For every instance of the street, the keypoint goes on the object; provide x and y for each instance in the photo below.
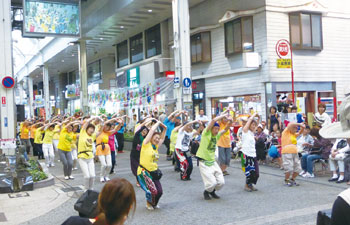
(183, 203)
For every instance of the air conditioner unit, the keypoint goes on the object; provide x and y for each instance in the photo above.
(251, 60)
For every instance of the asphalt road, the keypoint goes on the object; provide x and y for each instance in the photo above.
(183, 203)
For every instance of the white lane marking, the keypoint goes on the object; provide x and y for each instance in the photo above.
(282, 215)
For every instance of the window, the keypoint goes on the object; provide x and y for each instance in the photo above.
(94, 71)
(136, 48)
(306, 31)
(153, 41)
(200, 47)
(239, 36)
(122, 53)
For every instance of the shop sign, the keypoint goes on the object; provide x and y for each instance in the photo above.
(170, 75)
(39, 102)
(72, 91)
(133, 77)
(284, 63)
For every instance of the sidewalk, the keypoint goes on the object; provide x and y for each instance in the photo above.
(20, 207)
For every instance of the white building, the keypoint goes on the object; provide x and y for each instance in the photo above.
(234, 60)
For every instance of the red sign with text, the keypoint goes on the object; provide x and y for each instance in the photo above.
(3, 100)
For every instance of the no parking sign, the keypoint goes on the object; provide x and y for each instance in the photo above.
(8, 82)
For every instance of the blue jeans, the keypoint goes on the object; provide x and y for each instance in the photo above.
(306, 162)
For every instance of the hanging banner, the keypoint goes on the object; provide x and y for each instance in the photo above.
(150, 94)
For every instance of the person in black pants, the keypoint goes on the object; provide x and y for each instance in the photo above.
(341, 209)
(120, 137)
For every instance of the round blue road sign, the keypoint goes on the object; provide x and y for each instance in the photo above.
(8, 82)
(187, 82)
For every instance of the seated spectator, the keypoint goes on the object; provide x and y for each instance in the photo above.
(305, 141)
(320, 150)
(338, 154)
(275, 149)
(260, 146)
(115, 202)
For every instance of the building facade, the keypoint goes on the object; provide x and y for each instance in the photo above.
(233, 53)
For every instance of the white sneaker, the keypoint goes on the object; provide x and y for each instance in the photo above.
(53, 165)
(107, 179)
(66, 178)
(157, 206)
(75, 168)
(102, 180)
(71, 177)
(302, 173)
(308, 175)
(47, 165)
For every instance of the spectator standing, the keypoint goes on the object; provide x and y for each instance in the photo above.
(201, 117)
(274, 118)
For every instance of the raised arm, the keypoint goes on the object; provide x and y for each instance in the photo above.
(216, 119)
(85, 125)
(151, 132)
(189, 124)
(162, 135)
(120, 124)
(172, 115)
(250, 120)
(228, 125)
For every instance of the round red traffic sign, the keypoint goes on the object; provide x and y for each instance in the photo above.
(282, 48)
(8, 82)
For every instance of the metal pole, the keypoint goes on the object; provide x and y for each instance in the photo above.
(292, 71)
(30, 102)
(184, 28)
(46, 91)
(177, 56)
(182, 55)
(7, 111)
(84, 105)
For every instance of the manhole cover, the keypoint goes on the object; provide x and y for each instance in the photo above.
(70, 189)
(19, 195)
(2, 217)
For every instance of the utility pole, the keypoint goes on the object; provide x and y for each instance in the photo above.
(182, 54)
(84, 104)
(7, 110)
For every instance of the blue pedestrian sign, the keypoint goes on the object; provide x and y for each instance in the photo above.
(8, 82)
(187, 82)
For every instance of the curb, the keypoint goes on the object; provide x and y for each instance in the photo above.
(49, 181)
